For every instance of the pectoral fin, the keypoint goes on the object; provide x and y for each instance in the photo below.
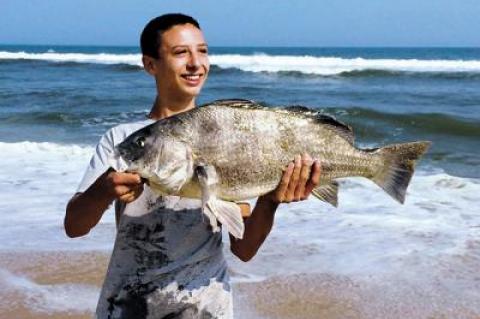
(157, 189)
(327, 193)
(227, 213)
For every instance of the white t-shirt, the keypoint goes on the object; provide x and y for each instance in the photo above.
(166, 261)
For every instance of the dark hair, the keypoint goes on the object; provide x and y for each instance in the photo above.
(151, 34)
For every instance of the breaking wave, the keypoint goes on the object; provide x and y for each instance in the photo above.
(360, 118)
(69, 118)
(27, 148)
(365, 121)
(97, 58)
(426, 123)
(336, 65)
(260, 62)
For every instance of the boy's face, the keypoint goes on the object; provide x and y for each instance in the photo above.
(182, 66)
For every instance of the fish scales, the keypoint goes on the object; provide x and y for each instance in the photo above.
(249, 145)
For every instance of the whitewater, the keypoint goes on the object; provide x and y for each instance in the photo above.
(261, 62)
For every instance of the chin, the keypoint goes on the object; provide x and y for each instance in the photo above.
(193, 92)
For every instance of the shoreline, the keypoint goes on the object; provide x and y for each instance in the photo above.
(36, 284)
(39, 284)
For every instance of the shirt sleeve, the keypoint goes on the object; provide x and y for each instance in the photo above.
(100, 162)
(104, 156)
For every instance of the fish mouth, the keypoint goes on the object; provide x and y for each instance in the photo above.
(128, 151)
(118, 161)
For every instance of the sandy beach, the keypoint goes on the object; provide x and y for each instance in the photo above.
(66, 284)
(42, 285)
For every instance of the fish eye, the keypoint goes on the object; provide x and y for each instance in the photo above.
(140, 141)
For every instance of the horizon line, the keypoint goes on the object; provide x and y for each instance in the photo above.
(259, 46)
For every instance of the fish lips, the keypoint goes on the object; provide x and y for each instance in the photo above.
(118, 160)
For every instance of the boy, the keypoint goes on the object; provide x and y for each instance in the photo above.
(166, 262)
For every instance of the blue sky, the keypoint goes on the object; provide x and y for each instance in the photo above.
(248, 22)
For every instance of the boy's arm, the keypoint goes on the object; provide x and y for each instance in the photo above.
(84, 210)
(297, 183)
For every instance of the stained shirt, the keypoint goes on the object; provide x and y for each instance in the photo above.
(166, 261)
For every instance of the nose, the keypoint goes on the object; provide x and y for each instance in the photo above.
(193, 61)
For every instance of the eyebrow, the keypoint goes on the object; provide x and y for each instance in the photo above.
(186, 46)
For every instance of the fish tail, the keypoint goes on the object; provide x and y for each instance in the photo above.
(398, 167)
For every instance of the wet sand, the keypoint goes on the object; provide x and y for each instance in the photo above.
(66, 285)
(21, 295)
(336, 297)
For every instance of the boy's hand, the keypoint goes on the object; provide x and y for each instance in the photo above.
(299, 179)
(126, 187)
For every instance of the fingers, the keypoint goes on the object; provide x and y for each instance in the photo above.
(125, 178)
(131, 194)
(314, 179)
(127, 198)
(121, 190)
(303, 179)
(293, 183)
(299, 179)
(125, 187)
(283, 186)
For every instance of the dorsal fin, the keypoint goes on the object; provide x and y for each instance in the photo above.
(300, 109)
(240, 103)
(341, 128)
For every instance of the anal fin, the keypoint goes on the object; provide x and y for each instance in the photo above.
(327, 193)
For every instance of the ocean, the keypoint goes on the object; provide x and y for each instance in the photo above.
(369, 258)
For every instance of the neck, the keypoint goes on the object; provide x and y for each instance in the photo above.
(163, 108)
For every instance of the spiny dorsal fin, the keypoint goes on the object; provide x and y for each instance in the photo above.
(327, 193)
(239, 103)
(341, 128)
(300, 109)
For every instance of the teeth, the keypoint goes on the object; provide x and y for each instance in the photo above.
(192, 77)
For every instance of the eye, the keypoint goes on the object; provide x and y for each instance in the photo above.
(140, 141)
(180, 52)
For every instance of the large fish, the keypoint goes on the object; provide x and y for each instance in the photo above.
(232, 150)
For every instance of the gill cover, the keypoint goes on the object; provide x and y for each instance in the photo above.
(173, 167)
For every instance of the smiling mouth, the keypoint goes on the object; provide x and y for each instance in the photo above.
(192, 77)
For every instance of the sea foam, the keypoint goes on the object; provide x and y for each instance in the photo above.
(100, 58)
(438, 206)
(48, 298)
(260, 62)
(336, 65)
(371, 234)
(37, 180)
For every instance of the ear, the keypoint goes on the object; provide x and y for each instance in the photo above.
(149, 65)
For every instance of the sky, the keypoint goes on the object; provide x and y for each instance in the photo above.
(317, 23)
